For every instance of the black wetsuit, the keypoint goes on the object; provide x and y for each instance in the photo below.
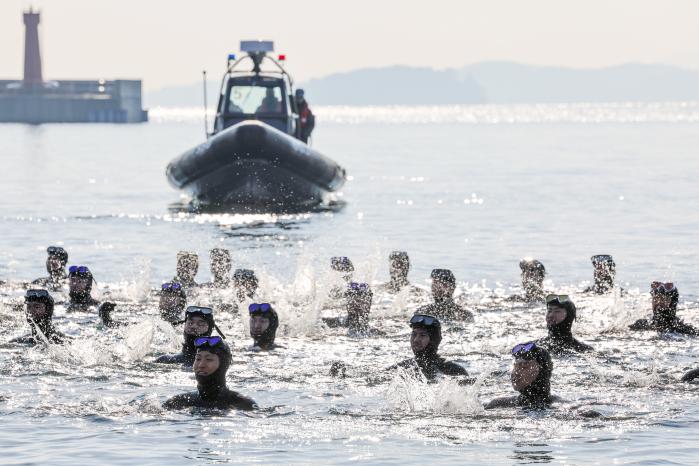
(600, 287)
(80, 301)
(394, 285)
(219, 284)
(560, 338)
(535, 396)
(46, 328)
(431, 364)
(665, 320)
(172, 316)
(52, 282)
(211, 398)
(212, 392)
(446, 308)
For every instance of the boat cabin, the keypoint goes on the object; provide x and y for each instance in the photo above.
(265, 95)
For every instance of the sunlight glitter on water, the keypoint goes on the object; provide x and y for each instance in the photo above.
(625, 112)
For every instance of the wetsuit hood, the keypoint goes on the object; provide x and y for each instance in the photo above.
(358, 297)
(430, 353)
(266, 339)
(62, 255)
(604, 273)
(399, 268)
(563, 330)
(45, 324)
(538, 393)
(666, 316)
(209, 386)
(188, 348)
(81, 297)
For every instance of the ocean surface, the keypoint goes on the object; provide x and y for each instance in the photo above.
(470, 188)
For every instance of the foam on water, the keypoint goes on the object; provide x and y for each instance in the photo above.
(471, 188)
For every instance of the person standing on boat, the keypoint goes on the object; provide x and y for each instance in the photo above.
(307, 120)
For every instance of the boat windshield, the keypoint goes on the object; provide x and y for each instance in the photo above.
(249, 99)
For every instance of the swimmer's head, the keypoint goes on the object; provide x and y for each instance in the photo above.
(187, 265)
(560, 314)
(56, 260)
(211, 363)
(220, 263)
(426, 335)
(533, 274)
(399, 265)
(343, 265)
(359, 297)
(443, 284)
(79, 282)
(245, 282)
(264, 322)
(604, 272)
(665, 299)
(39, 305)
(172, 299)
(531, 373)
(198, 321)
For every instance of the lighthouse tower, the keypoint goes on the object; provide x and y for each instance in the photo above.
(32, 56)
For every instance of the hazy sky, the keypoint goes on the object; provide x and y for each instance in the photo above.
(166, 42)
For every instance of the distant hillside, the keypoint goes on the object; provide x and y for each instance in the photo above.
(488, 82)
(395, 85)
(514, 83)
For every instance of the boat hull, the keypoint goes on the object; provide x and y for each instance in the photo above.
(254, 167)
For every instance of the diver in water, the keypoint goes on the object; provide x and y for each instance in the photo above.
(264, 322)
(211, 363)
(665, 298)
(424, 341)
(604, 273)
(560, 315)
(245, 283)
(531, 377)
(358, 299)
(198, 322)
(56, 267)
(172, 302)
(533, 274)
(39, 309)
(398, 268)
(220, 268)
(80, 281)
(343, 265)
(444, 307)
(187, 268)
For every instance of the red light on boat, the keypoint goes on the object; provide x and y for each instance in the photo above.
(282, 57)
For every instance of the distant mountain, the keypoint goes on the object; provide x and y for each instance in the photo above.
(506, 82)
(395, 85)
(488, 82)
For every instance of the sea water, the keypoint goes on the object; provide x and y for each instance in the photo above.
(469, 188)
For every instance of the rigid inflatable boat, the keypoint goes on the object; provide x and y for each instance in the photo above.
(253, 160)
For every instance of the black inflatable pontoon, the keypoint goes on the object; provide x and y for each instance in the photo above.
(253, 160)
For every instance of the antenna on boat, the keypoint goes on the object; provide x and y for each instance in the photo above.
(206, 122)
